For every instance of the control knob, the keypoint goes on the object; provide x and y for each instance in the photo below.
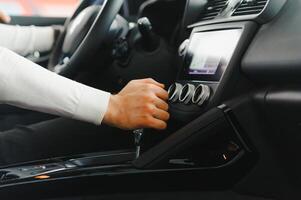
(201, 94)
(187, 93)
(174, 92)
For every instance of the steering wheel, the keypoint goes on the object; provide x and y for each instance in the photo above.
(83, 35)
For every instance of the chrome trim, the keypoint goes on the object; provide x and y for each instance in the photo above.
(203, 96)
(187, 95)
(174, 96)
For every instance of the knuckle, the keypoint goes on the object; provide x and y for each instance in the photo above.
(132, 82)
(149, 109)
(150, 79)
(147, 97)
(149, 87)
(145, 108)
(153, 99)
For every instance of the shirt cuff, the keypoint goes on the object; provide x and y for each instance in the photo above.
(43, 38)
(92, 105)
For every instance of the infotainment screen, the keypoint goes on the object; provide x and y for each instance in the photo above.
(209, 53)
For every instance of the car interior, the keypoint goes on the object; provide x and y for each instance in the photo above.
(231, 68)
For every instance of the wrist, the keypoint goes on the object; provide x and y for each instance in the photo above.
(111, 115)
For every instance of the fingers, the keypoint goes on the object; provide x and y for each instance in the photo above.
(159, 92)
(161, 115)
(157, 124)
(152, 81)
(146, 105)
(159, 103)
(155, 86)
(158, 119)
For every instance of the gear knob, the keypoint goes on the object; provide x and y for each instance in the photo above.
(145, 26)
(138, 136)
(150, 41)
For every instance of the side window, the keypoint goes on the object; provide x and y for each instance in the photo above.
(45, 8)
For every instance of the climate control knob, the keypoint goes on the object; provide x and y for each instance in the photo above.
(201, 94)
(174, 92)
(187, 93)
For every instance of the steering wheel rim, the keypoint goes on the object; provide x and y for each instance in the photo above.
(92, 41)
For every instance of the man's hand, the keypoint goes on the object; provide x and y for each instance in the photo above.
(4, 18)
(141, 104)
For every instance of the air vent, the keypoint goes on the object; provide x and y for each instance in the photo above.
(213, 8)
(250, 7)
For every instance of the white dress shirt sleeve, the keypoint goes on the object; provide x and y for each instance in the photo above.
(26, 39)
(27, 85)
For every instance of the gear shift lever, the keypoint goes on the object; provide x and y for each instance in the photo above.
(138, 136)
(150, 41)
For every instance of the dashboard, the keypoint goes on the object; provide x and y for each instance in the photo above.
(212, 55)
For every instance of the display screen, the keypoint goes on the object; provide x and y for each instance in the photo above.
(209, 53)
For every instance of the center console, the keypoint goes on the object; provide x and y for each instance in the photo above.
(209, 68)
